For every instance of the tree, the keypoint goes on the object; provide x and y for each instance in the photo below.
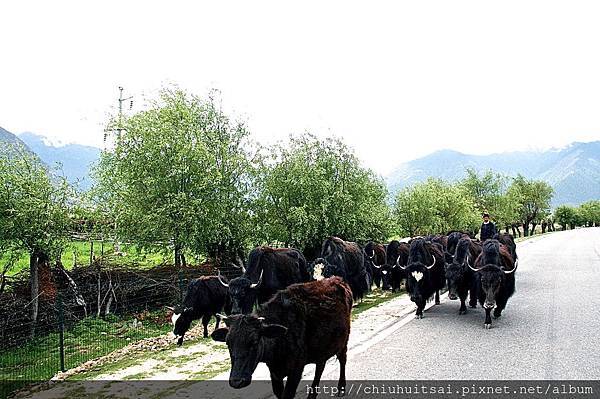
(532, 198)
(485, 190)
(590, 213)
(34, 213)
(489, 193)
(180, 173)
(414, 210)
(564, 215)
(434, 206)
(314, 188)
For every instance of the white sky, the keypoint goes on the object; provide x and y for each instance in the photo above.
(396, 79)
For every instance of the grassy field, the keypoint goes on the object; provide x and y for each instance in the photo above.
(39, 359)
(78, 253)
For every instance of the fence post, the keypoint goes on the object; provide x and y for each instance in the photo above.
(91, 251)
(61, 329)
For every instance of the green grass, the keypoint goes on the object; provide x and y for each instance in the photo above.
(91, 338)
(39, 360)
(78, 253)
(372, 299)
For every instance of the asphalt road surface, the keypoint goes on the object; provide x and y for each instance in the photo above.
(550, 328)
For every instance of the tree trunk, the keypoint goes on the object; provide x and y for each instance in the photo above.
(544, 227)
(533, 225)
(514, 231)
(35, 289)
(177, 255)
(3, 283)
(526, 229)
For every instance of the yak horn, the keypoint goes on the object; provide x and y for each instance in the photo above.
(259, 280)
(471, 267)
(221, 280)
(172, 309)
(514, 268)
(433, 264)
(222, 316)
(398, 263)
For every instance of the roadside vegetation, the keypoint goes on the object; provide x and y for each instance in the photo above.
(183, 182)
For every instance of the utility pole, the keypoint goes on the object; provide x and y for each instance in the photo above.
(119, 128)
(121, 99)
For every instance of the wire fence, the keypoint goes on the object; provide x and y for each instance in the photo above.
(85, 313)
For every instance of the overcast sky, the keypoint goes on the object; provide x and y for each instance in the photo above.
(396, 80)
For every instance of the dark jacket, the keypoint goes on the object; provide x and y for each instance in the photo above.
(487, 231)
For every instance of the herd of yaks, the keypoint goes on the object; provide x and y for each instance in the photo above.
(303, 312)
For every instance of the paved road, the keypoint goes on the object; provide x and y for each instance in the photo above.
(549, 330)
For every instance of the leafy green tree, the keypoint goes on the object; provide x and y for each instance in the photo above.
(312, 188)
(489, 193)
(564, 215)
(34, 212)
(590, 213)
(414, 210)
(434, 206)
(532, 198)
(180, 173)
(486, 190)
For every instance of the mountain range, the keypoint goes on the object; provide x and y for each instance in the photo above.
(7, 137)
(573, 171)
(74, 160)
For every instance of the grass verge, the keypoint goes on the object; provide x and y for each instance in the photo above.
(39, 359)
(374, 298)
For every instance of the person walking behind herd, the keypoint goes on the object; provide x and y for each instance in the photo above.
(488, 229)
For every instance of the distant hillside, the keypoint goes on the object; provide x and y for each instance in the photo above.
(76, 159)
(12, 139)
(573, 171)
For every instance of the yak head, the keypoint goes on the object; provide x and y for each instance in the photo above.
(181, 319)
(242, 292)
(331, 270)
(455, 274)
(417, 280)
(457, 270)
(246, 337)
(386, 277)
(316, 268)
(491, 278)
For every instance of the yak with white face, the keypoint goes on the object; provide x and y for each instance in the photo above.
(347, 260)
(316, 269)
(424, 273)
(205, 297)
